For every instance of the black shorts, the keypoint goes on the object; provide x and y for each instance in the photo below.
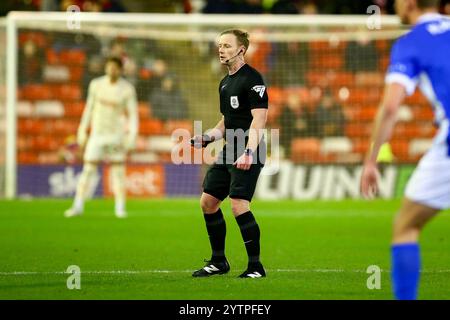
(222, 180)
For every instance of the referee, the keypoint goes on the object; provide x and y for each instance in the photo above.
(243, 104)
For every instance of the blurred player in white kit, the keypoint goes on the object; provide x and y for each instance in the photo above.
(110, 98)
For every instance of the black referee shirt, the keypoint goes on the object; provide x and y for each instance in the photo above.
(239, 94)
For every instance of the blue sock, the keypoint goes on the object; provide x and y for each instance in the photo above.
(405, 270)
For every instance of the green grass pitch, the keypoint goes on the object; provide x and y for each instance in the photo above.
(311, 250)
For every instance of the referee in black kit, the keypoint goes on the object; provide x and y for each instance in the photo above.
(243, 104)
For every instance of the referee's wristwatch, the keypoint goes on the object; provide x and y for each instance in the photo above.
(248, 152)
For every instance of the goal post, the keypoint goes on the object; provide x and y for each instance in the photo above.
(308, 62)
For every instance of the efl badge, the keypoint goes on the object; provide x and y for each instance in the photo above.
(234, 102)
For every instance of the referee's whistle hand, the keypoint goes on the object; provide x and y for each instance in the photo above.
(244, 162)
(197, 142)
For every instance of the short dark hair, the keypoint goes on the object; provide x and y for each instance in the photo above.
(422, 4)
(115, 60)
(241, 36)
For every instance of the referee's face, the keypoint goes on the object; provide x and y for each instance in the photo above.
(228, 48)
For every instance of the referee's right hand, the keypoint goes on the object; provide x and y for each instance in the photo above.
(201, 141)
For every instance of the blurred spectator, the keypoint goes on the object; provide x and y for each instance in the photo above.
(446, 7)
(343, 6)
(167, 102)
(31, 60)
(295, 121)
(290, 64)
(218, 6)
(361, 55)
(112, 6)
(159, 72)
(49, 5)
(329, 117)
(92, 5)
(249, 7)
(285, 7)
(310, 8)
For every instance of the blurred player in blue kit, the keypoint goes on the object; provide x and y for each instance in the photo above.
(418, 58)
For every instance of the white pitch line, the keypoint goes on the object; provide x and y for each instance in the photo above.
(131, 272)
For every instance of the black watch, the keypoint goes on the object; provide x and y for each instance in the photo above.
(248, 152)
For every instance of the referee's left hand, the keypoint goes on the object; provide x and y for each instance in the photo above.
(244, 162)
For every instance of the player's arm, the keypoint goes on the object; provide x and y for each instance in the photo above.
(214, 134)
(133, 120)
(401, 80)
(384, 125)
(86, 117)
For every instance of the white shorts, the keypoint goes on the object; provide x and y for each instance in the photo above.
(105, 148)
(430, 181)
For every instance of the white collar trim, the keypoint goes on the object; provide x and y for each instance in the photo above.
(426, 17)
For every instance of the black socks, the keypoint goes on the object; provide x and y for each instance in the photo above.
(251, 234)
(215, 225)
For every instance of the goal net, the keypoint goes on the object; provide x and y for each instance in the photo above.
(324, 76)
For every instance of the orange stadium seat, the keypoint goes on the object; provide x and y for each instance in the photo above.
(400, 149)
(76, 73)
(357, 130)
(327, 61)
(24, 143)
(47, 143)
(37, 37)
(172, 125)
(72, 57)
(305, 149)
(423, 113)
(36, 92)
(382, 45)
(27, 158)
(151, 126)
(384, 63)
(74, 109)
(363, 113)
(144, 110)
(64, 126)
(417, 98)
(30, 126)
(51, 56)
(67, 92)
(276, 95)
(360, 146)
(366, 96)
